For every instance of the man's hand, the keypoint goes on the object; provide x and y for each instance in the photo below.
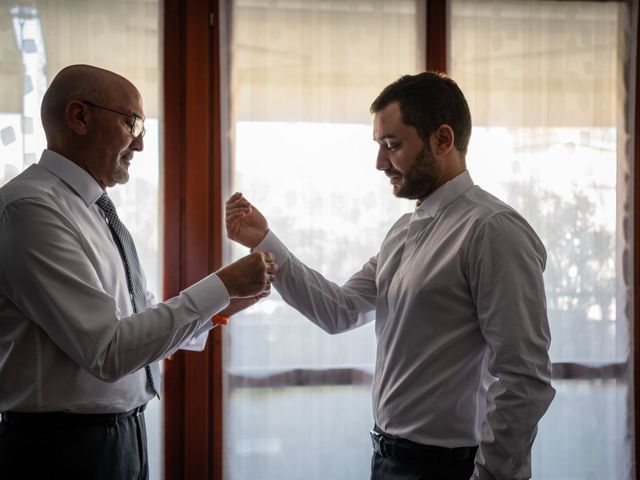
(245, 224)
(240, 303)
(249, 276)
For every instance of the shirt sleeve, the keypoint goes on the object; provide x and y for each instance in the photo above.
(506, 264)
(198, 340)
(332, 307)
(47, 274)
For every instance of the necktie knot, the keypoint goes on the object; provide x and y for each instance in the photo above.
(107, 206)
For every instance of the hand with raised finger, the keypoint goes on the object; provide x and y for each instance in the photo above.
(245, 224)
(250, 276)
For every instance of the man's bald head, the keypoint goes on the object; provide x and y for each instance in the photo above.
(88, 115)
(79, 82)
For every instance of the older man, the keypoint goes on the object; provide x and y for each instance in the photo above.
(80, 336)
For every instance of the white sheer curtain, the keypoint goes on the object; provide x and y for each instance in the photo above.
(37, 39)
(303, 75)
(546, 85)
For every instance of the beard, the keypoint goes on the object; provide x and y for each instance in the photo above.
(120, 172)
(120, 175)
(420, 180)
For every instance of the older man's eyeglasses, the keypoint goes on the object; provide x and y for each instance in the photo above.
(137, 127)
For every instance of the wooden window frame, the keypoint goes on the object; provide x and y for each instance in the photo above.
(193, 234)
(192, 230)
(635, 355)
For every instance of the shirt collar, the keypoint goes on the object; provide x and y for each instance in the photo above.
(73, 175)
(444, 195)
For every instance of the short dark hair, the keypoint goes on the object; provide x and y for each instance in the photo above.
(428, 100)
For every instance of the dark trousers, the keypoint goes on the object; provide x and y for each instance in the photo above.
(385, 468)
(399, 459)
(70, 447)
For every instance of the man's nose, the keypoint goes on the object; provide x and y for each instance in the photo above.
(137, 144)
(382, 161)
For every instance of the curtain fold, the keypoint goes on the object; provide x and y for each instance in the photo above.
(302, 77)
(548, 87)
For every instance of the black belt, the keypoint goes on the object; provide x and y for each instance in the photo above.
(408, 451)
(64, 419)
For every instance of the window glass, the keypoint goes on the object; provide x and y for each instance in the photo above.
(545, 83)
(303, 75)
(37, 39)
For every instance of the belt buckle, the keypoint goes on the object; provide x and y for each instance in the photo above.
(377, 440)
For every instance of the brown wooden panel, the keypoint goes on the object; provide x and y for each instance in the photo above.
(216, 236)
(190, 228)
(437, 35)
(636, 255)
(173, 395)
(196, 242)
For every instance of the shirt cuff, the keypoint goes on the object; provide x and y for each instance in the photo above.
(271, 243)
(209, 296)
(199, 339)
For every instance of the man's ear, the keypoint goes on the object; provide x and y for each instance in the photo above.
(77, 114)
(442, 139)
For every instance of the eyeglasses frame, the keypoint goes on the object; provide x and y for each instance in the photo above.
(136, 119)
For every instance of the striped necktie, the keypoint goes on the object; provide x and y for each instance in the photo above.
(129, 255)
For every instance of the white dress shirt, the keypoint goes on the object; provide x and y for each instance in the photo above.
(457, 294)
(69, 340)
